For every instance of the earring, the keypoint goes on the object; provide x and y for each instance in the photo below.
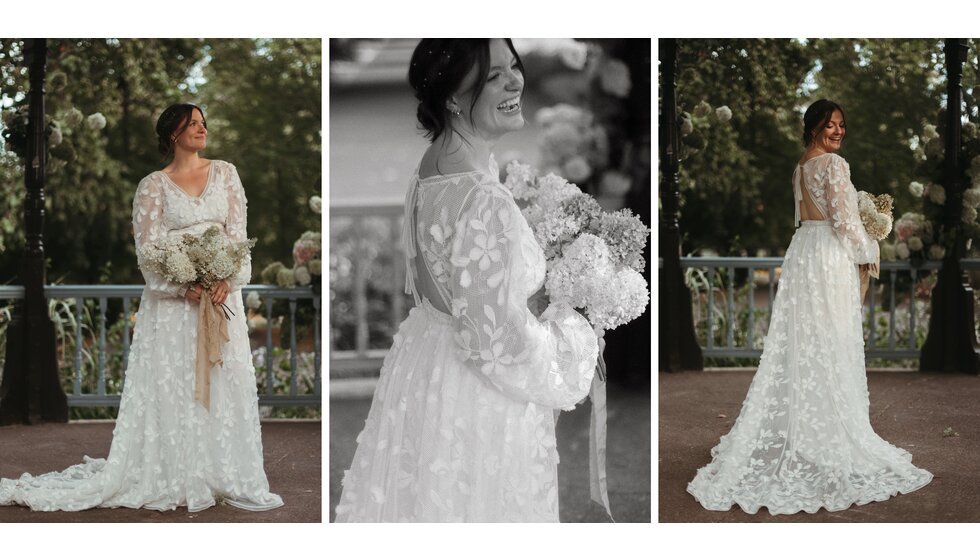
(455, 111)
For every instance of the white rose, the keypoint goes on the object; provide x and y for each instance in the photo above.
(929, 132)
(702, 110)
(969, 215)
(937, 252)
(887, 252)
(253, 301)
(915, 243)
(902, 251)
(95, 121)
(937, 193)
(723, 113)
(316, 204)
(916, 188)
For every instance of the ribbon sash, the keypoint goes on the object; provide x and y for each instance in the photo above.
(598, 486)
(212, 332)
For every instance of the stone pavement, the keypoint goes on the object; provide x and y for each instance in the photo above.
(908, 408)
(627, 463)
(292, 462)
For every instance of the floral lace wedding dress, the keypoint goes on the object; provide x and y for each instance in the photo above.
(167, 450)
(462, 426)
(803, 439)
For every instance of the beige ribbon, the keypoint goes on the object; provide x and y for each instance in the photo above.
(598, 487)
(212, 332)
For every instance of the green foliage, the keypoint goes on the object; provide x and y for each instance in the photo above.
(262, 99)
(739, 182)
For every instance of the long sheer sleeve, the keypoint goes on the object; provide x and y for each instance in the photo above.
(844, 216)
(148, 227)
(235, 226)
(549, 361)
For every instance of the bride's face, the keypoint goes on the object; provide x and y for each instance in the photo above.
(194, 138)
(829, 138)
(497, 110)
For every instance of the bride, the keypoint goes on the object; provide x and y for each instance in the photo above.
(462, 426)
(169, 450)
(803, 439)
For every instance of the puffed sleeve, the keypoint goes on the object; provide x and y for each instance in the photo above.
(548, 361)
(844, 216)
(148, 228)
(235, 225)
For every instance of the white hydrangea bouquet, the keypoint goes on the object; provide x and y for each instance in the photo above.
(876, 214)
(594, 258)
(206, 259)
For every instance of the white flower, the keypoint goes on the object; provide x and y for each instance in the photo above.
(971, 197)
(937, 252)
(253, 301)
(573, 53)
(55, 137)
(615, 183)
(286, 278)
(929, 133)
(723, 113)
(73, 117)
(314, 266)
(887, 252)
(687, 126)
(614, 78)
(916, 188)
(302, 275)
(577, 169)
(618, 301)
(969, 215)
(519, 179)
(95, 121)
(937, 193)
(316, 204)
(702, 109)
(902, 250)
(915, 244)
(585, 265)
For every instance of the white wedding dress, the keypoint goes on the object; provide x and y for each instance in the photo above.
(803, 440)
(462, 426)
(167, 450)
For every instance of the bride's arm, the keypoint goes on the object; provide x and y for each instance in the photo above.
(235, 227)
(148, 228)
(548, 360)
(844, 215)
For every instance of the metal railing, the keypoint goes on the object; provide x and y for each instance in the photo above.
(361, 235)
(771, 264)
(78, 294)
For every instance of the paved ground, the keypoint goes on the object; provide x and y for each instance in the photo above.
(628, 462)
(909, 409)
(292, 463)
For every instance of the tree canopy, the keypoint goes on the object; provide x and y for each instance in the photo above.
(262, 99)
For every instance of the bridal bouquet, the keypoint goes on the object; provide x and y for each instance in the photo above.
(594, 258)
(206, 259)
(876, 214)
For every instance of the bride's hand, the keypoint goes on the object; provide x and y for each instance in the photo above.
(219, 292)
(194, 293)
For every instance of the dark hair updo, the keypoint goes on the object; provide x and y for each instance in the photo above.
(817, 116)
(172, 123)
(437, 71)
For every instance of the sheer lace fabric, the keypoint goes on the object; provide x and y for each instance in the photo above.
(803, 439)
(167, 450)
(462, 426)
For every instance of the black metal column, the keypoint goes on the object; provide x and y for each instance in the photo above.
(951, 344)
(31, 392)
(679, 349)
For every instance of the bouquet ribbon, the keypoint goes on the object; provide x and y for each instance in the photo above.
(212, 332)
(598, 486)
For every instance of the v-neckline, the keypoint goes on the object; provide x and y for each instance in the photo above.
(207, 183)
